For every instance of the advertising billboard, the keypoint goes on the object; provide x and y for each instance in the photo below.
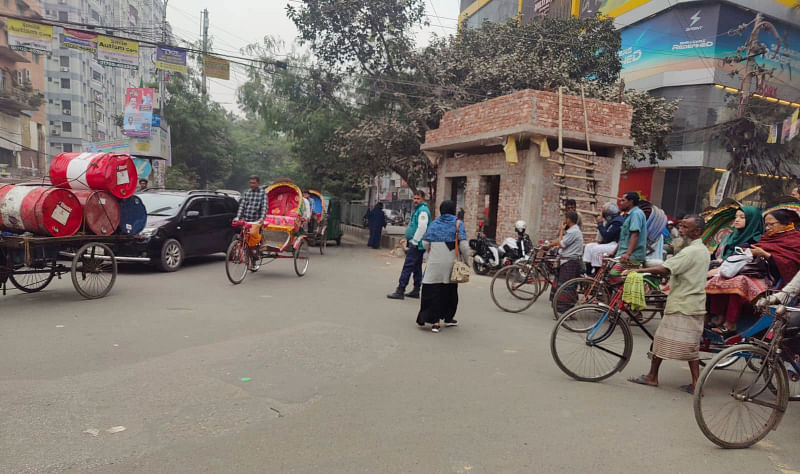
(28, 36)
(138, 115)
(611, 8)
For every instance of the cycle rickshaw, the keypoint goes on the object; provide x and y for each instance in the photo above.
(281, 236)
(318, 225)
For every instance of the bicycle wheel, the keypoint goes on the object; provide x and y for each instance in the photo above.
(237, 261)
(591, 343)
(33, 282)
(738, 408)
(512, 289)
(544, 277)
(301, 258)
(576, 292)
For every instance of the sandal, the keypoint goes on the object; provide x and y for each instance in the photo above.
(641, 381)
(687, 388)
(724, 332)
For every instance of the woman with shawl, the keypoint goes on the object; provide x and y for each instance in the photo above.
(748, 227)
(376, 220)
(439, 296)
(779, 247)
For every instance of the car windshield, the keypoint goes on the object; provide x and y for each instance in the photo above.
(162, 204)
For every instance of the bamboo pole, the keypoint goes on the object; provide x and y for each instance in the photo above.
(585, 120)
(571, 164)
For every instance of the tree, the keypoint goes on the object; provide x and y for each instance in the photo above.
(402, 92)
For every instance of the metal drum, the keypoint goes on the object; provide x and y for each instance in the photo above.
(100, 211)
(132, 216)
(41, 210)
(110, 172)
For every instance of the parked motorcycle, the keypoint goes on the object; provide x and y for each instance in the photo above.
(488, 255)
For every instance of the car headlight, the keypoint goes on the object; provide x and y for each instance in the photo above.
(148, 231)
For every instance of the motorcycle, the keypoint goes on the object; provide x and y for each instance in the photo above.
(488, 255)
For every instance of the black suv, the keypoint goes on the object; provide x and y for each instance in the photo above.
(182, 224)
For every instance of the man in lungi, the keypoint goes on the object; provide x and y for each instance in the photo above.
(632, 248)
(678, 335)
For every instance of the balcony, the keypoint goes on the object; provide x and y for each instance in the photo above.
(19, 97)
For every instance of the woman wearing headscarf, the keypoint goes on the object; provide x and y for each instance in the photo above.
(376, 221)
(608, 227)
(779, 247)
(748, 227)
(439, 296)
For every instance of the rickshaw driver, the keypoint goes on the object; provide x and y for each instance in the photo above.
(253, 209)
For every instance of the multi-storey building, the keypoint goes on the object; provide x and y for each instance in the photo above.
(677, 49)
(22, 115)
(84, 98)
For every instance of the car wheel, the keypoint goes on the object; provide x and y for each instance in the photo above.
(171, 256)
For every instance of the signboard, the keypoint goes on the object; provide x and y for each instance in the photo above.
(117, 52)
(542, 7)
(30, 37)
(217, 67)
(79, 40)
(680, 39)
(171, 59)
(138, 115)
(110, 146)
(156, 122)
(612, 8)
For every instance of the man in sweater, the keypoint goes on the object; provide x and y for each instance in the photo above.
(413, 264)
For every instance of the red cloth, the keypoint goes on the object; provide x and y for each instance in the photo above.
(785, 250)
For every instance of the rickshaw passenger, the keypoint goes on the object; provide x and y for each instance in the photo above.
(729, 297)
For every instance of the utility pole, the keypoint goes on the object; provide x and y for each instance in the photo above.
(205, 49)
(753, 48)
(161, 89)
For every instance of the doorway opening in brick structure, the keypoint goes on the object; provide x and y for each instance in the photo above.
(490, 200)
(458, 191)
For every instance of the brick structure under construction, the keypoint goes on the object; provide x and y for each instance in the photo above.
(475, 147)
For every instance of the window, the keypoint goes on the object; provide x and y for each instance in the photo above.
(36, 58)
(66, 126)
(66, 105)
(217, 206)
(97, 76)
(65, 83)
(5, 3)
(63, 16)
(68, 148)
(64, 60)
(200, 205)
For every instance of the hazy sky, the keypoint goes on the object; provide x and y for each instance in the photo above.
(236, 23)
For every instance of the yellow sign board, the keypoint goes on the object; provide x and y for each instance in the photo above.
(217, 67)
(28, 36)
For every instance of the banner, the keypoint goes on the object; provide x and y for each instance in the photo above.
(795, 128)
(217, 67)
(138, 114)
(773, 133)
(79, 40)
(117, 52)
(612, 8)
(30, 37)
(110, 146)
(787, 127)
(171, 59)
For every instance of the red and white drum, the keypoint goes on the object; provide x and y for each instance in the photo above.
(41, 210)
(100, 210)
(110, 172)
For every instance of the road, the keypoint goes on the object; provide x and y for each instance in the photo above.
(324, 374)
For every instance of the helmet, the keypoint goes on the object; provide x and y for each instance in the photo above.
(520, 226)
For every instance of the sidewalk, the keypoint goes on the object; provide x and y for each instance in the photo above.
(388, 241)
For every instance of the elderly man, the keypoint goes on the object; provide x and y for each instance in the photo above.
(678, 335)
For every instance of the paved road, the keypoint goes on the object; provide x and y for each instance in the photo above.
(340, 380)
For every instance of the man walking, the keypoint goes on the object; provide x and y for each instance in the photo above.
(413, 263)
(632, 249)
(678, 335)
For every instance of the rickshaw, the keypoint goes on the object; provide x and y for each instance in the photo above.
(281, 235)
(317, 227)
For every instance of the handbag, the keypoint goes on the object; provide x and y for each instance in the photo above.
(460, 271)
(735, 263)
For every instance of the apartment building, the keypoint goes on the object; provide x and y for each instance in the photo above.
(84, 98)
(22, 114)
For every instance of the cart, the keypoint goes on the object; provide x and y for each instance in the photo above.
(31, 262)
(281, 236)
(318, 225)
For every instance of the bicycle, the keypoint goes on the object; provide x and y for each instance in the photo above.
(523, 283)
(738, 408)
(584, 290)
(592, 342)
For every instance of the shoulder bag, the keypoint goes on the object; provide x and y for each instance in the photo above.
(734, 263)
(460, 272)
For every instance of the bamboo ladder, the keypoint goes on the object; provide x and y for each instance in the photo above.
(583, 160)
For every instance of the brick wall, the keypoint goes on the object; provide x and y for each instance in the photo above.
(535, 108)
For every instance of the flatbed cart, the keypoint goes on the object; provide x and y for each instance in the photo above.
(31, 262)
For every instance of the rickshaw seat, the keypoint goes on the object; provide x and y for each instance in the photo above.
(280, 223)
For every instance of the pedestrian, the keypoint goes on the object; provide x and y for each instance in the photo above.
(571, 205)
(570, 264)
(678, 335)
(412, 266)
(632, 248)
(439, 295)
(609, 225)
(376, 221)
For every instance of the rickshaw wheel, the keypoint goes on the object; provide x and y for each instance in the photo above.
(33, 282)
(94, 270)
(301, 258)
(237, 262)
